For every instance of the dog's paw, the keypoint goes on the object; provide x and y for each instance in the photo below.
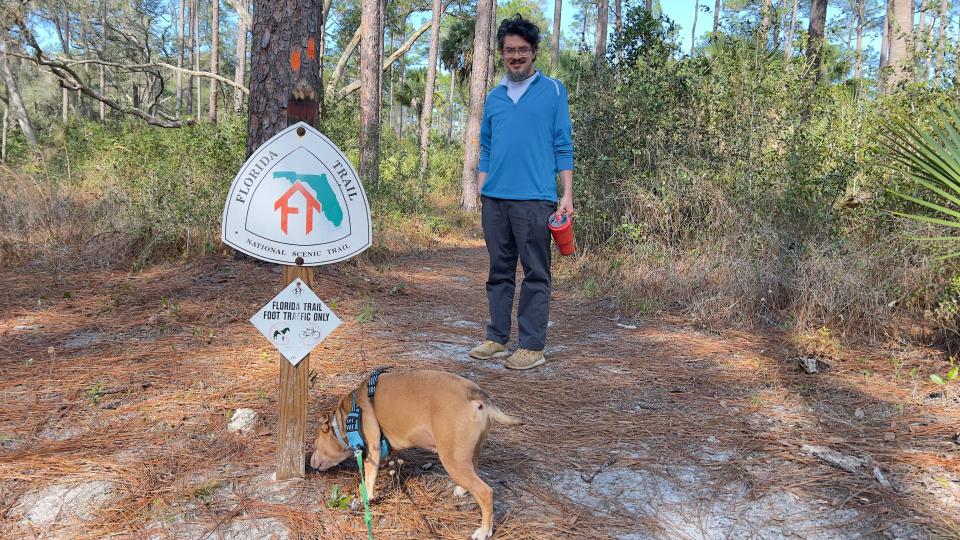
(459, 491)
(482, 534)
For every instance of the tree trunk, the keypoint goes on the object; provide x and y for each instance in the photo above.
(188, 57)
(284, 35)
(555, 38)
(426, 119)
(861, 10)
(196, 56)
(3, 140)
(240, 68)
(451, 106)
(13, 92)
(920, 44)
(103, 73)
(491, 64)
(603, 10)
(900, 37)
(693, 32)
(648, 4)
(181, 43)
(942, 41)
(65, 41)
(214, 57)
(716, 17)
(478, 78)
(818, 19)
(371, 44)
(788, 43)
(764, 30)
(885, 37)
(618, 29)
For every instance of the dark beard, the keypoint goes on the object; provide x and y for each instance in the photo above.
(519, 77)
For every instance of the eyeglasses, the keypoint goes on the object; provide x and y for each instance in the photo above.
(521, 51)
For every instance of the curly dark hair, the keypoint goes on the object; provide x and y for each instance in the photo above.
(518, 26)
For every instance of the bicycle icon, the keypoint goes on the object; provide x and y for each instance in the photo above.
(310, 333)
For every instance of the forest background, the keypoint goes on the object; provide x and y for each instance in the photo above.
(732, 170)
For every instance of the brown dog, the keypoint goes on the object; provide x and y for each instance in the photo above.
(432, 410)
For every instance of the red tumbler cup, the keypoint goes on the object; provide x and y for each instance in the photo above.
(562, 231)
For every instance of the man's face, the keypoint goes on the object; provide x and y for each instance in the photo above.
(518, 57)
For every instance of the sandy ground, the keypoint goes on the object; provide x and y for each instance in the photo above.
(116, 389)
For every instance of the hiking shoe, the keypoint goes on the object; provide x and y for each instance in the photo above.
(525, 359)
(487, 349)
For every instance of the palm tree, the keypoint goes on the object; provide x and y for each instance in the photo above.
(930, 158)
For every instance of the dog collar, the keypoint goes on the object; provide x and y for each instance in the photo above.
(336, 429)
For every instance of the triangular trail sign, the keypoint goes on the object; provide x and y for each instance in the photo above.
(297, 196)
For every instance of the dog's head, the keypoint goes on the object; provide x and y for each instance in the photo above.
(327, 448)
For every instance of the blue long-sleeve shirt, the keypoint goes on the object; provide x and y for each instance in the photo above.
(524, 145)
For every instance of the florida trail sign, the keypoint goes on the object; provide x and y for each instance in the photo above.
(297, 202)
(297, 196)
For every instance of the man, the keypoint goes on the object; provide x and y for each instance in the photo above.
(525, 142)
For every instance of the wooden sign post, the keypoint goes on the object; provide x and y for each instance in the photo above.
(292, 431)
(298, 202)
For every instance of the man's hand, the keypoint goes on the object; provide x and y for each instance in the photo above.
(566, 206)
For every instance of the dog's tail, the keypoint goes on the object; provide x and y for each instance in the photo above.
(493, 412)
(501, 417)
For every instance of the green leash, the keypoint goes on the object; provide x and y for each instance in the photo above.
(367, 516)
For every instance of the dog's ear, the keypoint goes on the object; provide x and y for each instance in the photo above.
(325, 422)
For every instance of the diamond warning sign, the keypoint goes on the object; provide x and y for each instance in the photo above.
(295, 321)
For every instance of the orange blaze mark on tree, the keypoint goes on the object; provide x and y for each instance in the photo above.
(295, 60)
(311, 49)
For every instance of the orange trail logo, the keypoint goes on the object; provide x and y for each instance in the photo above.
(284, 205)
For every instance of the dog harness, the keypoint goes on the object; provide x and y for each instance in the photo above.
(352, 422)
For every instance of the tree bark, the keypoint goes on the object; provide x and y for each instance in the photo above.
(103, 69)
(426, 118)
(941, 41)
(478, 79)
(196, 56)
(693, 31)
(861, 10)
(371, 44)
(885, 37)
(13, 93)
(283, 62)
(240, 67)
(716, 16)
(818, 20)
(3, 142)
(603, 10)
(648, 4)
(788, 43)
(188, 56)
(764, 30)
(555, 38)
(214, 57)
(451, 106)
(65, 41)
(491, 64)
(900, 37)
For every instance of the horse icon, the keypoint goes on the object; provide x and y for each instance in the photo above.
(280, 336)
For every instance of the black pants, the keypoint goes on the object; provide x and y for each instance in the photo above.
(515, 229)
